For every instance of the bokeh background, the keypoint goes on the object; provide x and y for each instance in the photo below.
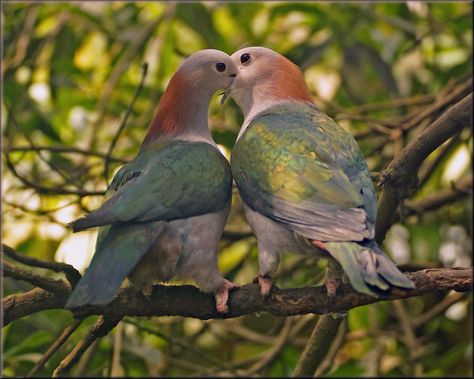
(70, 71)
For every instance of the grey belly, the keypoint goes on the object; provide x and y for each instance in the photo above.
(186, 249)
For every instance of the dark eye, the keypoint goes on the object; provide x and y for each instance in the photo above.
(244, 58)
(220, 67)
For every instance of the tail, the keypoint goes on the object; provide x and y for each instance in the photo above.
(369, 269)
(118, 250)
(99, 217)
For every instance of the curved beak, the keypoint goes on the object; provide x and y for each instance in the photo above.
(227, 91)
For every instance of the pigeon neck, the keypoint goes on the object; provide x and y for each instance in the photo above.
(182, 113)
(282, 84)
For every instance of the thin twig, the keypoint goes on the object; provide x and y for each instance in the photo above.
(434, 201)
(273, 353)
(47, 190)
(400, 178)
(85, 360)
(443, 100)
(427, 169)
(129, 52)
(54, 347)
(54, 167)
(317, 346)
(103, 326)
(64, 149)
(176, 341)
(116, 368)
(438, 308)
(124, 121)
(333, 350)
(72, 275)
(52, 285)
(410, 339)
(390, 104)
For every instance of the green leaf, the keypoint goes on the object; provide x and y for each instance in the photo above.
(29, 344)
(198, 17)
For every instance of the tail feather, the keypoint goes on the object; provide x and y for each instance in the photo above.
(390, 272)
(369, 270)
(346, 255)
(99, 217)
(368, 263)
(118, 250)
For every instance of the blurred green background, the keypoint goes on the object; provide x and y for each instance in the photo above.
(70, 70)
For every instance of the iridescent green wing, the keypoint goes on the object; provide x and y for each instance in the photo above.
(297, 166)
(172, 181)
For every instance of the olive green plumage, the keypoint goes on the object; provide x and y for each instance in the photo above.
(295, 164)
(172, 181)
(164, 183)
(304, 173)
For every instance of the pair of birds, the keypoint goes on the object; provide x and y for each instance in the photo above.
(303, 180)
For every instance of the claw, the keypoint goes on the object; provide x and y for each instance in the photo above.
(338, 315)
(222, 295)
(332, 284)
(319, 244)
(265, 283)
(147, 291)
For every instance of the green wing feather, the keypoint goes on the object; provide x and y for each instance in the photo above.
(172, 181)
(295, 165)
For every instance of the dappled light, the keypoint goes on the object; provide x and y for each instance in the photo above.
(81, 84)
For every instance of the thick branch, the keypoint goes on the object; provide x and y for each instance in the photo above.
(36, 300)
(400, 178)
(188, 301)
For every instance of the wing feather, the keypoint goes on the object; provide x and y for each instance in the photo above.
(297, 166)
(179, 180)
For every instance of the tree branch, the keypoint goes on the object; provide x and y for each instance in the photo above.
(400, 178)
(124, 121)
(36, 300)
(317, 346)
(54, 347)
(100, 329)
(438, 199)
(189, 301)
(72, 275)
(52, 285)
(64, 149)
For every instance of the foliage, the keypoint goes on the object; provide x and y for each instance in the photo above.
(70, 71)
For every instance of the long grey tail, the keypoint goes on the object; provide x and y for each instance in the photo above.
(118, 250)
(368, 268)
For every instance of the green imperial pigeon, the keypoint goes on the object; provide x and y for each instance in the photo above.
(303, 180)
(164, 212)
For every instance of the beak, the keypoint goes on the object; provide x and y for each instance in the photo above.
(227, 91)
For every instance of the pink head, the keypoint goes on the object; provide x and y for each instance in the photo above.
(183, 108)
(264, 78)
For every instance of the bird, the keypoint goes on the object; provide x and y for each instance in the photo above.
(303, 180)
(163, 214)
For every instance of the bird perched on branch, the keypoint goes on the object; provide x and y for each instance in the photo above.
(303, 180)
(164, 212)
